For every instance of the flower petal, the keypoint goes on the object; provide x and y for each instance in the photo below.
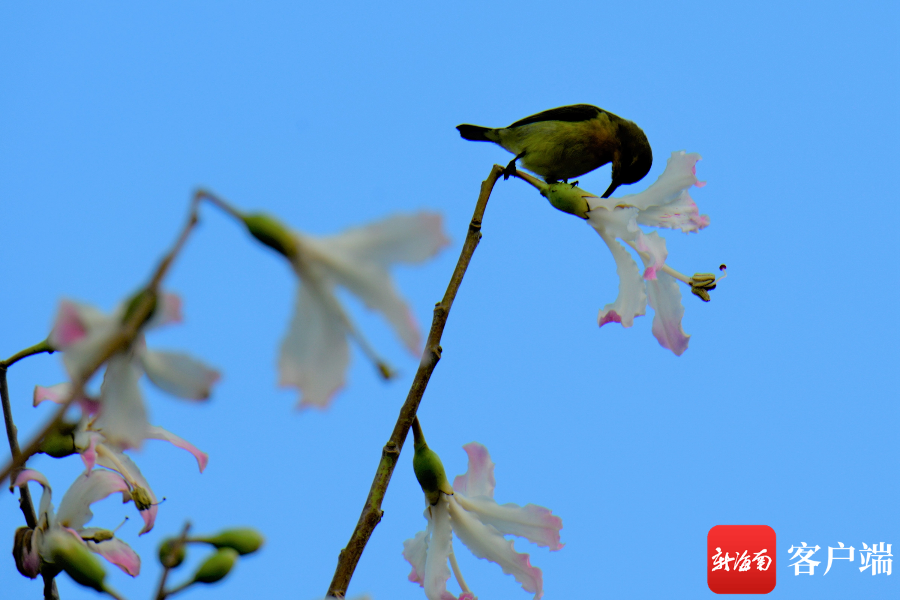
(59, 393)
(486, 542)
(415, 551)
(679, 175)
(86, 444)
(358, 259)
(632, 299)
(112, 459)
(46, 505)
(681, 214)
(54, 393)
(168, 310)
(122, 418)
(75, 507)
(118, 553)
(73, 323)
(371, 282)
(478, 480)
(437, 571)
(158, 433)
(534, 523)
(654, 247)
(665, 298)
(178, 374)
(401, 238)
(314, 353)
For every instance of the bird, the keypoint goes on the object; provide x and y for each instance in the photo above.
(567, 142)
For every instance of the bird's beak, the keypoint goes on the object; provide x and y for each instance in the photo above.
(612, 187)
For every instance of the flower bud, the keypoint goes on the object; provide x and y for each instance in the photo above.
(69, 554)
(28, 561)
(171, 553)
(568, 198)
(429, 469)
(59, 441)
(272, 233)
(216, 566)
(242, 539)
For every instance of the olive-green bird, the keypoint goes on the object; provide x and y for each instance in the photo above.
(569, 141)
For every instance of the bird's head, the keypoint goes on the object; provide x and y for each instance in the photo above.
(637, 157)
(633, 158)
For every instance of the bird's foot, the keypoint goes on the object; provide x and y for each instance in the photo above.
(510, 169)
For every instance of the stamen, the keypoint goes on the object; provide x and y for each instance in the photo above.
(125, 520)
(665, 268)
(456, 572)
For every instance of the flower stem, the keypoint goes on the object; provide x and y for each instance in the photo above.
(371, 513)
(119, 340)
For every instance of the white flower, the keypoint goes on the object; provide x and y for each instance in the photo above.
(314, 353)
(481, 524)
(80, 330)
(666, 203)
(74, 513)
(95, 449)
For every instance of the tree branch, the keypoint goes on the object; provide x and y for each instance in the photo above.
(371, 513)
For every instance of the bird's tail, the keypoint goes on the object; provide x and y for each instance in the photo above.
(474, 133)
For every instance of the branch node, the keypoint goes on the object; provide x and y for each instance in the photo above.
(390, 448)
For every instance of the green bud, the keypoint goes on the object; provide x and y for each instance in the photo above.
(242, 539)
(59, 442)
(429, 468)
(135, 300)
(568, 198)
(171, 553)
(272, 233)
(73, 557)
(216, 566)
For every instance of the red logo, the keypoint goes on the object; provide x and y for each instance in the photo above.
(740, 559)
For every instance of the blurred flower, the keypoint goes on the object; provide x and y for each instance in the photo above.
(74, 513)
(81, 330)
(314, 353)
(95, 449)
(666, 203)
(471, 512)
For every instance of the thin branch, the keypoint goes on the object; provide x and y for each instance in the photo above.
(371, 513)
(36, 349)
(118, 341)
(161, 592)
(25, 502)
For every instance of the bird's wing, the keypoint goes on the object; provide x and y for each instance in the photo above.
(573, 113)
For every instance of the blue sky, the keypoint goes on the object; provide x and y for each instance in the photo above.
(782, 411)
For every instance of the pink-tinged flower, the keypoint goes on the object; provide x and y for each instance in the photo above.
(476, 519)
(314, 353)
(666, 203)
(74, 513)
(95, 449)
(81, 330)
